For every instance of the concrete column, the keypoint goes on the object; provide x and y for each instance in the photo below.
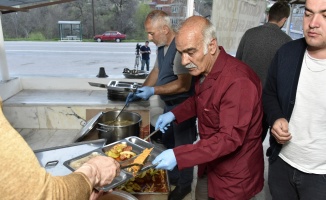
(289, 20)
(190, 8)
(3, 60)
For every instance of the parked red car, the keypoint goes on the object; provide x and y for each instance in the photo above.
(110, 36)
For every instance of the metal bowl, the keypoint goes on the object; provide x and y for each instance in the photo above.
(118, 195)
(112, 132)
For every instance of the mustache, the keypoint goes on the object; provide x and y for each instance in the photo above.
(191, 65)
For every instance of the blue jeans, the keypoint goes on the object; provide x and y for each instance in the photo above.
(143, 62)
(287, 183)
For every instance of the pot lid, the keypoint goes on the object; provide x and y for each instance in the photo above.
(87, 128)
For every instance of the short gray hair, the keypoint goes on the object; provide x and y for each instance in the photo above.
(159, 16)
(209, 33)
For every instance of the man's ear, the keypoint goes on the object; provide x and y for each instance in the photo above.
(282, 22)
(212, 47)
(166, 29)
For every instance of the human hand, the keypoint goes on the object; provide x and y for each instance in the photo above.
(96, 194)
(145, 92)
(164, 121)
(100, 170)
(165, 160)
(131, 97)
(280, 131)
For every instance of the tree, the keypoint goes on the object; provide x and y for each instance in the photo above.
(126, 16)
(140, 16)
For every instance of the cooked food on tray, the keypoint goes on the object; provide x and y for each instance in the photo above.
(78, 163)
(120, 152)
(152, 180)
(119, 123)
(140, 160)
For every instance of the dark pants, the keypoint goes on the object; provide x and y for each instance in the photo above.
(288, 183)
(265, 127)
(176, 135)
(143, 62)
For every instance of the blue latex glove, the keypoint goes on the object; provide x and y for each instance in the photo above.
(164, 121)
(145, 92)
(165, 160)
(131, 97)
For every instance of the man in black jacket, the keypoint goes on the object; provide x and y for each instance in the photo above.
(295, 105)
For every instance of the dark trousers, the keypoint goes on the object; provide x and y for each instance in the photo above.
(265, 127)
(176, 135)
(288, 183)
(143, 62)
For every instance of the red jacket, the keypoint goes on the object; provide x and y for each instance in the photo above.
(229, 110)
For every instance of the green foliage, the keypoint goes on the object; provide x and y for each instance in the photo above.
(37, 36)
(125, 16)
(140, 16)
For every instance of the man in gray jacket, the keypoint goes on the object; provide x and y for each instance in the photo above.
(259, 44)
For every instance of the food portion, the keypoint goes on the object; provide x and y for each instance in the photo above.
(78, 163)
(140, 160)
(150, 181)
(119, 123)
(120, 152)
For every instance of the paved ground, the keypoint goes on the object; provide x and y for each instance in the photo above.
(71, 58)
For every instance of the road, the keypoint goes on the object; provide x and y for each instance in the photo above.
(71, 58)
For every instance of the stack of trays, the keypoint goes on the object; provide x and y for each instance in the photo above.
(137, 144)
(119, 90)
(134, 73)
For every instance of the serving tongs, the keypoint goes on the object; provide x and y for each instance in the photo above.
(146, 138)
(123, 166)
(129, 163)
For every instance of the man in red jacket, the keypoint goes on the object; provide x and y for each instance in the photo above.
(228, 105)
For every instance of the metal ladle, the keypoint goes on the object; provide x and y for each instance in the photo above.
(122, 108)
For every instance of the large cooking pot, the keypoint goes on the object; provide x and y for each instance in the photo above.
(114, 130)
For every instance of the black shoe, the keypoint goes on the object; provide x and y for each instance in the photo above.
(179, 193)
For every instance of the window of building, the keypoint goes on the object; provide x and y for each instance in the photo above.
(174, 21)
(175, 9)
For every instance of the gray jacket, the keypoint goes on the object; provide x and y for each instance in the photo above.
(259, 45)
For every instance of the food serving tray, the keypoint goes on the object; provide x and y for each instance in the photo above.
(135, 76)
(137, 144)
(52, 159)
(123, 86)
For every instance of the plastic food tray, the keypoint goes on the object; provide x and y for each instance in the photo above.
(138, 145)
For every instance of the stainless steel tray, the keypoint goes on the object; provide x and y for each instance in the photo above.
(52, 159)
(123, 86)
(121, 177)
(138, 145)
(135, 76)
